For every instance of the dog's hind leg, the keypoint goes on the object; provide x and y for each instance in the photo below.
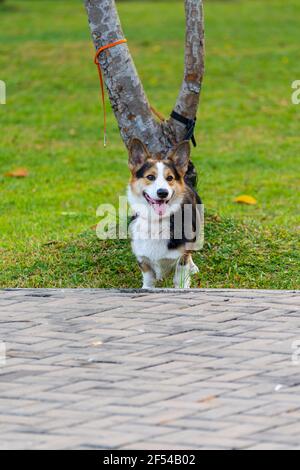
(148, 275)
(182, 278)
(184, 269)
(193, 267)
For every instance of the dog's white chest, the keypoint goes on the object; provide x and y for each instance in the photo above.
(157, 255)
(154, 251)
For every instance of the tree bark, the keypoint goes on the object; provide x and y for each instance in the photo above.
(126, 93)
(189, 95)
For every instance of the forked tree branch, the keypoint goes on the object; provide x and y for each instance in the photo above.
(189, 95)
(126, 93)
(125, 90)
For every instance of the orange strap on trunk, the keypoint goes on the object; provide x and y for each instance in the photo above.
(99, 51)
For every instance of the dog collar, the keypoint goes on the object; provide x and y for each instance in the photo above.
(189, 124)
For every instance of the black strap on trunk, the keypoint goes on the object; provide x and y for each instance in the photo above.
(189, 124)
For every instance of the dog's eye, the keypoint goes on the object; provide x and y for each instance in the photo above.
(151, 177)
(170, 178)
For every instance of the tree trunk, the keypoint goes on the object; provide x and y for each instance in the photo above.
(126, 93)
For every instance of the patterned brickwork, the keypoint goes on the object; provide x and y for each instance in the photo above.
(98, 369)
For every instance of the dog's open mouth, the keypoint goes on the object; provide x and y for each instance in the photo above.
(158, 205)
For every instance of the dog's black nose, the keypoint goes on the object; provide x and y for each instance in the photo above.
(162, 193)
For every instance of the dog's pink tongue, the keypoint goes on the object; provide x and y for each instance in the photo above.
(160, 207)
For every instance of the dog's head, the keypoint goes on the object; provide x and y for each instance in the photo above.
(158, 184)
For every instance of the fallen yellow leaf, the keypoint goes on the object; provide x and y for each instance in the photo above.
(249, 200)
(18, 173)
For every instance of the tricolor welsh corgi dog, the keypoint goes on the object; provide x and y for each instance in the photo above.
(159, 192)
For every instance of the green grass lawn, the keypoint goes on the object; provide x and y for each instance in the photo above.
(248, 135)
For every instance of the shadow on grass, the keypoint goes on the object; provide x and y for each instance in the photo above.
(9, 8)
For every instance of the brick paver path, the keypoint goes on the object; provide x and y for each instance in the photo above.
(136, 370)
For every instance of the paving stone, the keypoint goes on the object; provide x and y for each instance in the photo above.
(108, 369)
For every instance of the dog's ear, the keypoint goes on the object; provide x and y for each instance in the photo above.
(138, 154)
(181, 156)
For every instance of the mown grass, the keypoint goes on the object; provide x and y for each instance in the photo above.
(248, 136)
(235, 255)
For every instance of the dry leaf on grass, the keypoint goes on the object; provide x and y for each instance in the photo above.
(51, 242)
(245, 199)
(18, 173)
(216, 218)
